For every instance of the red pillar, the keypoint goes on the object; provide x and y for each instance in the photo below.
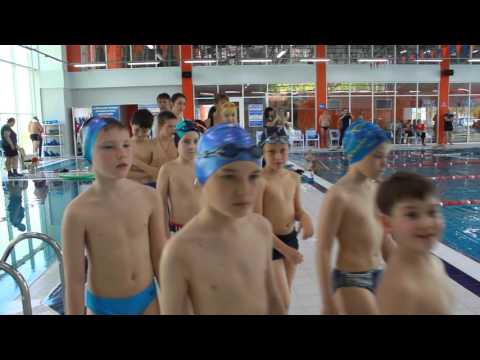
(443, 97)
(321, 86)
(187, 84)
(74, 56)
(114, 56)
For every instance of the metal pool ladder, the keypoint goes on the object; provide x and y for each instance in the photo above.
(19, 279)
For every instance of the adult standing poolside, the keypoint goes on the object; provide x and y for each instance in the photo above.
(10, 148)
(36, 130)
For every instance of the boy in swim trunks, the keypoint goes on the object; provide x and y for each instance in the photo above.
(348, 213)
(119, 224)
(142, 146)
(415, 281)
(279, 202)
(221, 260)
(176, 179)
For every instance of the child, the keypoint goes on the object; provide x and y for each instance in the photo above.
(142, 146)
(118, 223)
(221, 260)
(415, 281)
(279, 202)
(176, 179)
(229, 111)
(220, 100)
(164, 148)
(348, 213)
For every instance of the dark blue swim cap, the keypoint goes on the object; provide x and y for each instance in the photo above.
(221, 145)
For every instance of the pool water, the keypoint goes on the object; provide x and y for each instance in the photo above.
(33, 206)
(462, 231)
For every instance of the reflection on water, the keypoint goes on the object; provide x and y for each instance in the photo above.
(31, 206)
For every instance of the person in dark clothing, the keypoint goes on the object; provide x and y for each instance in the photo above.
(448, 127)
(345, 119)
(10, 148)
(15, 210)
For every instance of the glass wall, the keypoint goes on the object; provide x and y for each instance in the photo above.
(19, 89)
(128, 56)
(474, 128)
(294, 102)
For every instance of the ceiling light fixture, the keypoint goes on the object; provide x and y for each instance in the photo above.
(89, 65)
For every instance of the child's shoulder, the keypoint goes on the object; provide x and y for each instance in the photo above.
(292, 175)
(259, 221)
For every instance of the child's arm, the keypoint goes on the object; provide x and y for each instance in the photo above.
(163, 191)
(157, 234)
(330, 218)
(300, 214)
(73, 236)
(275, 300)
(173, 284)
(279, 245)
(147, 168)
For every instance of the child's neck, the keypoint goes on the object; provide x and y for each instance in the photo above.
(357, 177)
(412, 257)
(108, 186)
(272, 171)
(222, 221)
(185, 161)
(140, 138)
(164, 137)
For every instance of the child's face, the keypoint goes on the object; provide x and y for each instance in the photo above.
(168, 128)
(276, 155)
(179, 105)
(416, 224)
(373, 165)
(140, 132)
(164, 104)
(232, 190)
(187, 146)
(112, 156)
(230, 116)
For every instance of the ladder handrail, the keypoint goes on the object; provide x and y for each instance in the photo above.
(39, 236)
(22, 284)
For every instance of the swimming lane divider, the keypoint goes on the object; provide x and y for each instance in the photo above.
(445, 203)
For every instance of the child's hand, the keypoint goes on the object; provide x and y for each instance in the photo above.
(306, 225)
(294, 256)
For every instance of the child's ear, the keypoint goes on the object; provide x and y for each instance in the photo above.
(386, 222)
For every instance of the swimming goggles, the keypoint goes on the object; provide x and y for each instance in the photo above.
(231, 151)
(275, 139)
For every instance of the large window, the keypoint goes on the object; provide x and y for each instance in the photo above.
(17, 89)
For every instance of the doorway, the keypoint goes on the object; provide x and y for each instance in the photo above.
(238, 101)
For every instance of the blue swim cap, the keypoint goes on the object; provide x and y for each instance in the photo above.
(221, 145)
(361, 137)
(90, 134)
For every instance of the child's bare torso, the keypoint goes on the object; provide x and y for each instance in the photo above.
(279, 200)
(117, 241)
(227, 268)
(183, 192)
(426, 286)
(142, 150)
(163, 151)
(360, 235)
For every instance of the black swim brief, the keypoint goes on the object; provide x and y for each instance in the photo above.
(366, 279)
(290, 240)
(35, 137)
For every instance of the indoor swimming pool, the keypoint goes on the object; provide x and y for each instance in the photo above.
(456, 173)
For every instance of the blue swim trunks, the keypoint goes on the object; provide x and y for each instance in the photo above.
(132, 305)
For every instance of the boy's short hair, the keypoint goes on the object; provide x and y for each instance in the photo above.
(164, 96)
(403, 186)
(164, 116)
(10, 120)
(177, 96)
(143, 118)
(221, 97)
